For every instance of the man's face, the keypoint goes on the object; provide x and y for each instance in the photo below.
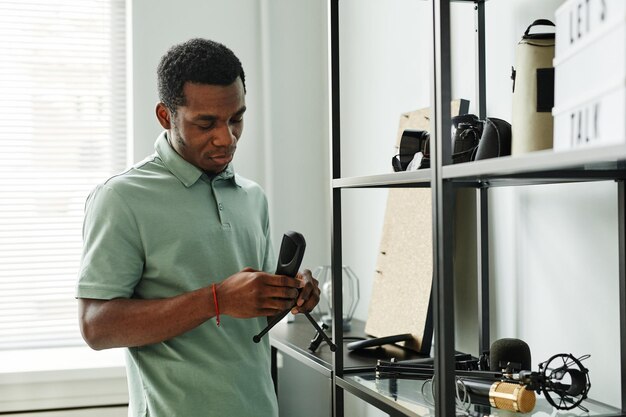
(205, 131)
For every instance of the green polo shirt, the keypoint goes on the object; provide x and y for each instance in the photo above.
(163, 228)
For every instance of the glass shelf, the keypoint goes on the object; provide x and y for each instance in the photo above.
(548, 166)
(413, 398)
(293, 339)
(541, 167)
(419, 178)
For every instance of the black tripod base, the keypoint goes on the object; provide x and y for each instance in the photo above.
(273, 322)
(321, 333)
(279, 317)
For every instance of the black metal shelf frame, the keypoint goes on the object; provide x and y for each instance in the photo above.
(335, 201)
(443, 198)
(442, 213)
(544, 167)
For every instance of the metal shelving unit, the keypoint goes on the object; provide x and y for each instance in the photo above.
(544, 167)
(442, 215)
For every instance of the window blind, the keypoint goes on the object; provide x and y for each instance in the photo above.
(62, 130)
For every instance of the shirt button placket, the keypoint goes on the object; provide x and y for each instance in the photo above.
(220, 211)
(225, 224)
(220, 206)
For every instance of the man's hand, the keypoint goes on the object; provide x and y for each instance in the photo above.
(309, 294)
(248, 293)
(251, 293)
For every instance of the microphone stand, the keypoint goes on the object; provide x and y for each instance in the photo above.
(291, 253)
(274, 320)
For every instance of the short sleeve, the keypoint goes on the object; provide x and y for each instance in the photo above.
(112, 259)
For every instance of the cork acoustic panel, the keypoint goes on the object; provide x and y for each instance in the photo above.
(401, 292)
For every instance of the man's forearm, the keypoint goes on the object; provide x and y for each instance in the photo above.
(130, 322)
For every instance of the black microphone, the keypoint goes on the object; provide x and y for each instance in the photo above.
(511, 354)
(289, 259)
(502, 395)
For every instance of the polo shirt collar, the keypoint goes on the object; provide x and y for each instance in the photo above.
(187, 173)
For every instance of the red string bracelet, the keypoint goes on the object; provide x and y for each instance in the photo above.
(217, 308)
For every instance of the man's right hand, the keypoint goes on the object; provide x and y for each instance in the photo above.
(133, 322)
(251, 293)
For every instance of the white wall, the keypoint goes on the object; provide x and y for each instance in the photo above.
(295, 105)
(554, 248)
(157, 25)
(384, 71)
(282, 47)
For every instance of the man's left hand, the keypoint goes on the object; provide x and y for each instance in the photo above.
(309, 293)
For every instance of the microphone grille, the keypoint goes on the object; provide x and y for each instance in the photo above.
(512, 397)
(509, 350)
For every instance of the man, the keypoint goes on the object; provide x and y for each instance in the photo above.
(179, 239)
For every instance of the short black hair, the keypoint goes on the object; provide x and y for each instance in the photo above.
(200, 61)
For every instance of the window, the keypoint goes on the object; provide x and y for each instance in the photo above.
(63, 129)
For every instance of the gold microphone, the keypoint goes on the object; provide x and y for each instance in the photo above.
(511, 397)
(507, 396)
